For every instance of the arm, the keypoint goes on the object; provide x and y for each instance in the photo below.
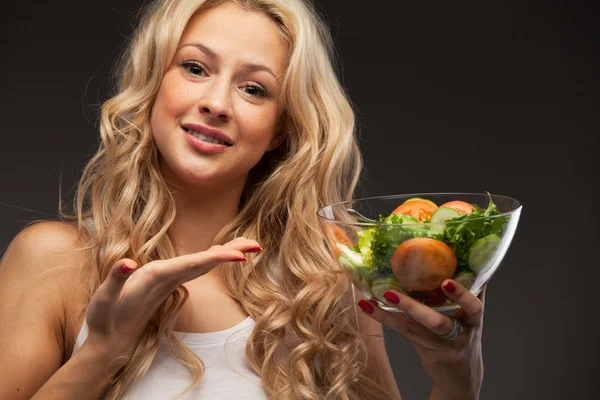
(85, 376)
(33, 276)
(38, 267)
(456, 365)
(379, 368)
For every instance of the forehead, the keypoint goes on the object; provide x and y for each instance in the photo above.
(238, 35)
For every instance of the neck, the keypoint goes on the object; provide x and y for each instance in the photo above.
(201, 215)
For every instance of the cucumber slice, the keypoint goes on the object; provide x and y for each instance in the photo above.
(465, 278)
(444, 214)
(381, 285)
(481, 251)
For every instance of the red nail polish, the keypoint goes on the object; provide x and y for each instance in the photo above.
(126, 269)
(366, 307)
(254, 250)
(391, 297)
(449, 287)
(240, 259)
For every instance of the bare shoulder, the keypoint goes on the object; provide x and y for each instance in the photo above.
(43, 248)
(41, 274)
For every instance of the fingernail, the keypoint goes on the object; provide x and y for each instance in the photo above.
(240, 259)
(254, 250)
(449, 287)
(365, 306)
(391, 297)
(126, 269)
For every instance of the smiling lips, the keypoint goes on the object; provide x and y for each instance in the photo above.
(203, 143)
(208, 135)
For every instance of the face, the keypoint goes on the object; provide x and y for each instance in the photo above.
(217, 110)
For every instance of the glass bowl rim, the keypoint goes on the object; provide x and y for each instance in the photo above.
(516, 209)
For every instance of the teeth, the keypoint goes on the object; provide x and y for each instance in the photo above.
(208, 139)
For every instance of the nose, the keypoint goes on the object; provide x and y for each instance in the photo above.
(216, 101)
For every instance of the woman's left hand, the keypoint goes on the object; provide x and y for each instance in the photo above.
(455, 365)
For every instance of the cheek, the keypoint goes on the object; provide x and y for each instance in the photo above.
(171, 101)
(259, 125)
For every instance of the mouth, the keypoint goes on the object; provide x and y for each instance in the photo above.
(208, 135)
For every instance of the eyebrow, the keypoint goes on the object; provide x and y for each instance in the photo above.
(249, 67)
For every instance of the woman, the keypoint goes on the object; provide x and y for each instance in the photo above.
(228, 131)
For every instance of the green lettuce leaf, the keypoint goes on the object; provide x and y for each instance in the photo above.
(379, 243)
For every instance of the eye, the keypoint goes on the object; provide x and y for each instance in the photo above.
(255, 90)
(193, 68)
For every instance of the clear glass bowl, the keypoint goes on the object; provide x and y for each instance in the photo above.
(413, 242)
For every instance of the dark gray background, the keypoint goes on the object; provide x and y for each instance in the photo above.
(451, 96)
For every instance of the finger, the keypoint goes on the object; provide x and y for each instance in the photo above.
(472, 307)
(109, 291)
(431, 319)
(119, 273)
(190, 266)
(244, 245)
(396, 322)
(403, 324)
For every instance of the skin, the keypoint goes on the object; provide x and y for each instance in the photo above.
(208, 83)
(455, 366)
(221, 94)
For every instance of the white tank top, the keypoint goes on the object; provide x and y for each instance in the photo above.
(227, 375)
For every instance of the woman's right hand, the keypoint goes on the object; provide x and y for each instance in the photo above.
(124, 303)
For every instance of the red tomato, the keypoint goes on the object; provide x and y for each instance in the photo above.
(461, 206)
(336, 234)
(431, 298)
(423, 263)
(419, 209)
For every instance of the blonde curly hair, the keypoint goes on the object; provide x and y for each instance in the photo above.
(294, 284)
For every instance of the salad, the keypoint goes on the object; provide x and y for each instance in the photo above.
(418, 246)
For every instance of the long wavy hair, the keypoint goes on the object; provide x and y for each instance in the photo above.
(293, 286)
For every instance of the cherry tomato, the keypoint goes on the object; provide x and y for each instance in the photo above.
(461, 206)
(423, 263)
(417, 208)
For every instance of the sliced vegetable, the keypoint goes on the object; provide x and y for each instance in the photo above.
(418, 246)
(336, 235)
(417, 208)
(423, 263)
(460, 206)
(481, 252)
(381, 285)
(444, 214)
(465, 278)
